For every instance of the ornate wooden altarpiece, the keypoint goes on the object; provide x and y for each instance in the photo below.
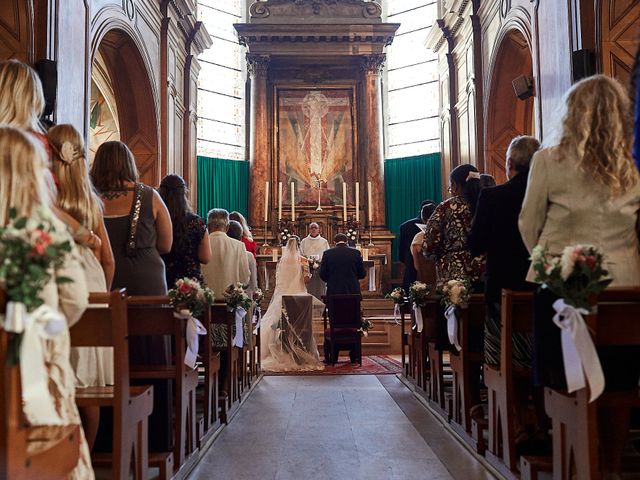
(316, 118)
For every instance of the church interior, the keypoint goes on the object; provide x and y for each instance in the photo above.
(395, 239)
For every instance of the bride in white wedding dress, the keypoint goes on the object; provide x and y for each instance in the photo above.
(286, 339)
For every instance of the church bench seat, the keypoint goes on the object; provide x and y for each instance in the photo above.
(105, 324)
(574, 419)
(516, 317)
(152, 315)
(208, 384)
(436, 365)
(220, 316)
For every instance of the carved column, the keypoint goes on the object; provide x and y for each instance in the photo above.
(371, 140)
(259, 152)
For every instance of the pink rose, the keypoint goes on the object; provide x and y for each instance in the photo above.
(185, 288)
(42, 241)
(591, 262)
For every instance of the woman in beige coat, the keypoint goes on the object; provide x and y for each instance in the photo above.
(585, 190)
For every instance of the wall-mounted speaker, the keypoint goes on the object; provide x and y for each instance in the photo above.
(523, 86)
(48, 72)
(583, 64)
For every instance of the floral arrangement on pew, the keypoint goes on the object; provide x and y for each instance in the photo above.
(454, 296)
(190, 299)
(238, 302)
(31, 249)
(577, 277)
(399, 297)
(418, 294)
(258, 296)
(365, 326)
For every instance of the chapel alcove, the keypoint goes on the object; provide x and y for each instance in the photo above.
(507, 115)
(122, 102)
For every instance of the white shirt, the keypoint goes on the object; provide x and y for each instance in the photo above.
(228, 265)
(314, 246)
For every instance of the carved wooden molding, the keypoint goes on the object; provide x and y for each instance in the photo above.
(373, 63)
(258, 65)
(336, 9)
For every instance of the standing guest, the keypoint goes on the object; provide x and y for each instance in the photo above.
(228, 265)
(445, 240)
(22, 187)
(408, 231)
(342, 268)
(314, 245)
(585, 189)
(247, 237)
(77, 197)
(190, 247)
(487, 180)
(495, 233)
(140, 230)
(425, 267)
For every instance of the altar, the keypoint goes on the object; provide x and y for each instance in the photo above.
(316, 147)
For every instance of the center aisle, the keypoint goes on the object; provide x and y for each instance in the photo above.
(336, 427)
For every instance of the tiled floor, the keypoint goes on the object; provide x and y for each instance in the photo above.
(336, 427)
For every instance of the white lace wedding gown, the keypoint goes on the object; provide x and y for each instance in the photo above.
(282, 348)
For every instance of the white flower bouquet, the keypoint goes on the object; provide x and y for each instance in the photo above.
(418, 293)
(236, 296)
(188, 294)
(455, 293)
(398, 295)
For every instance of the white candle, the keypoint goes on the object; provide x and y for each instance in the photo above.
(357, 201)
(279, 200)
(358, 247)
(274, 254)
(344, 201)
(293, 203)
(266, 201)
(369, 202)
(365, 254)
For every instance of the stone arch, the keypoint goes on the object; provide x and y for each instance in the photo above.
(135, 97)
(506, 115)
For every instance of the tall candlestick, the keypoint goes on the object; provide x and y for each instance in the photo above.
(266, 201)
(279, 200)
(357, 201)
(344, 201)
(369, 202)
(274, 255)
(293, 203)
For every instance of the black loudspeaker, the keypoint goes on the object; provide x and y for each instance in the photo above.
(48, 72)
(583, 64)
(523, 86)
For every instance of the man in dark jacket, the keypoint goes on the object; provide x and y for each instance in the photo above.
(408, 231)
(341, 268)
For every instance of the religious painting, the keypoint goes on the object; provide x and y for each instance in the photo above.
(103, 113)
(315, 143)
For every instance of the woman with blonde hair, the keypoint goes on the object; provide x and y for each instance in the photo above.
(21, 98)
(247, 237)
(585, 189)
(22, 187)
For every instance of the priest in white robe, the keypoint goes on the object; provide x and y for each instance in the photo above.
(314, 246)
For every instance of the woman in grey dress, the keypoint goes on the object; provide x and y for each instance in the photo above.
(140, 230)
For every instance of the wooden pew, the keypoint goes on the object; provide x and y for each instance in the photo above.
(435, 373)
(211, 368)
(418, 364)
(149, 316)
(466, 368)
(105, 325)
(23, 452)
(220, 316)
(574, 420)
(516, 317)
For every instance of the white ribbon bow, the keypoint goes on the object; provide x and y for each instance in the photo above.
(452, 326)
(257, 319)
(581, 363)
(372, 278)
(238, 338)
(194, 328)
(43, 323)
(396, 313)
(417, 311)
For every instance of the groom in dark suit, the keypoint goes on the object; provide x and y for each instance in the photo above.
(341, 268)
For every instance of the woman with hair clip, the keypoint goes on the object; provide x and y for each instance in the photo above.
(247, 237)
(78, 198)
(23, 167)
(585, 189)
(190, 246)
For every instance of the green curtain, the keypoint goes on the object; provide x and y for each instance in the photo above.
(222, 184)
(407, 182)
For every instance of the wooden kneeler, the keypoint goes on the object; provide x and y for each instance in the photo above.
(465, 366)
(516, 317)
(574, 420)
(23, 452)
(104, 324)
(153, 315)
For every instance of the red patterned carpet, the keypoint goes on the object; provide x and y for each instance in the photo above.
(371, 365)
